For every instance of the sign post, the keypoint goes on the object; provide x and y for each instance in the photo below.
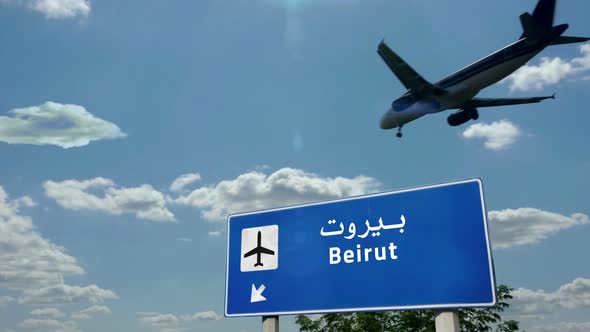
(270, 323)
(417, 248)
(446, 321)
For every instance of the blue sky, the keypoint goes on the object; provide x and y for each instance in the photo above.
(129, 130)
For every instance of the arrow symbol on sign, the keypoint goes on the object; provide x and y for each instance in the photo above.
(256, 295)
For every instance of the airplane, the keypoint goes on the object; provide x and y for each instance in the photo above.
(258, 251)
(458, 90)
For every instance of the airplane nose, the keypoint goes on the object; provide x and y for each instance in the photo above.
(387, 120)
(382, 122)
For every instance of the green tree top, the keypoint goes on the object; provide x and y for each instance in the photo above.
(470, 320)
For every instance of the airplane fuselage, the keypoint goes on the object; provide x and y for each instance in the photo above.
(467, 83)
(462, 85)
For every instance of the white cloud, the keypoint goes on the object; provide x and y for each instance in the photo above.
(524, 226)
(550, 71)
(50, 324)
(498, 135)
(184, 180)
(172, 322)
(172, 329)
(563, 327)
(158, 320)
(144, 201)
(34, 266)
(48, 312)
(89, 312)
(27, 260)
(257, 190)
(80, 316)
(539, 303)
(66, 294)
(184, 239)
(25, 201)
(215, 233)
(51, 123)
(55, 8)
(204, 315)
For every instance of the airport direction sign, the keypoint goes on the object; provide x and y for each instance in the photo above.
(418, 248)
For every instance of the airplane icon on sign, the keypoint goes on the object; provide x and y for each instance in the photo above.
(259, 250)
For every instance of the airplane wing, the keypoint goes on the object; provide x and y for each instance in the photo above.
(490, 102)
(266, 251)
(251, 252)
(261, 250)
(408, 76)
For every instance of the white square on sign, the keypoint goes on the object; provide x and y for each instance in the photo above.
(260, 248)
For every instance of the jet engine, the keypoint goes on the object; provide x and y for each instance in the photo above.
(462, 116)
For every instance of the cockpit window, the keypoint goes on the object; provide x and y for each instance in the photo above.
(403, 103)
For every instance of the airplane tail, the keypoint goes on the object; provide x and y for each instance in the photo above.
(544, 13)
(539, 27)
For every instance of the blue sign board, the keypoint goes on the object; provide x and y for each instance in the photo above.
(418, 248)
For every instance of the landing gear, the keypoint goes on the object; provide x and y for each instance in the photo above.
(399, 132)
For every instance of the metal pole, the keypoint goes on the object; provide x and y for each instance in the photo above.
(270, 323)
(446, 321)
